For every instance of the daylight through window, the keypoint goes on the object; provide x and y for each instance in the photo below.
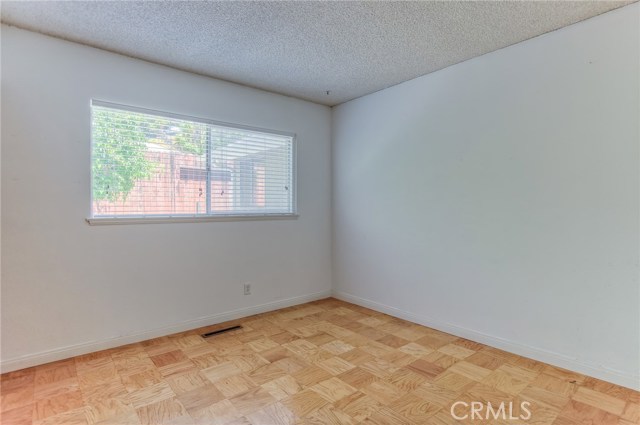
(150, 164)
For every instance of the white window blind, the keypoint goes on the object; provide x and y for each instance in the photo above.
(148, 164)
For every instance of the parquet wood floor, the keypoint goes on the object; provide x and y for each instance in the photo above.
(325, 362)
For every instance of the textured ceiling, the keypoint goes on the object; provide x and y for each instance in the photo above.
(302, 49)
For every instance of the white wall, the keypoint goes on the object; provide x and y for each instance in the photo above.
(498, 199)
(68, 287)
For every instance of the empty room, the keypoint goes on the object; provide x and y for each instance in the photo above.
(320, 212)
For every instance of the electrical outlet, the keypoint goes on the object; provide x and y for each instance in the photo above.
(247, 288)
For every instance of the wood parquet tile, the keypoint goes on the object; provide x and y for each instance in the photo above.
(325, 362)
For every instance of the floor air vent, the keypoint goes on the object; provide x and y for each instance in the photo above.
(219, 331)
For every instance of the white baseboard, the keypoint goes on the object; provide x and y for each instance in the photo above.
(556, 359)
(93, 346)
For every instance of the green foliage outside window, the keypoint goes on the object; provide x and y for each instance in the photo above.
(118, 154)
(120, 144)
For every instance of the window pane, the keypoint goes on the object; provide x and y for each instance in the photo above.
(146, 165)
(258, 168)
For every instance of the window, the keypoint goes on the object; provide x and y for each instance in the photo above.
(148, 164)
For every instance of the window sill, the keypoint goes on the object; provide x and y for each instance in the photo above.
(102, 221)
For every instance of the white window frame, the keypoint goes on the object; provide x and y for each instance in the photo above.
(149, 219)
